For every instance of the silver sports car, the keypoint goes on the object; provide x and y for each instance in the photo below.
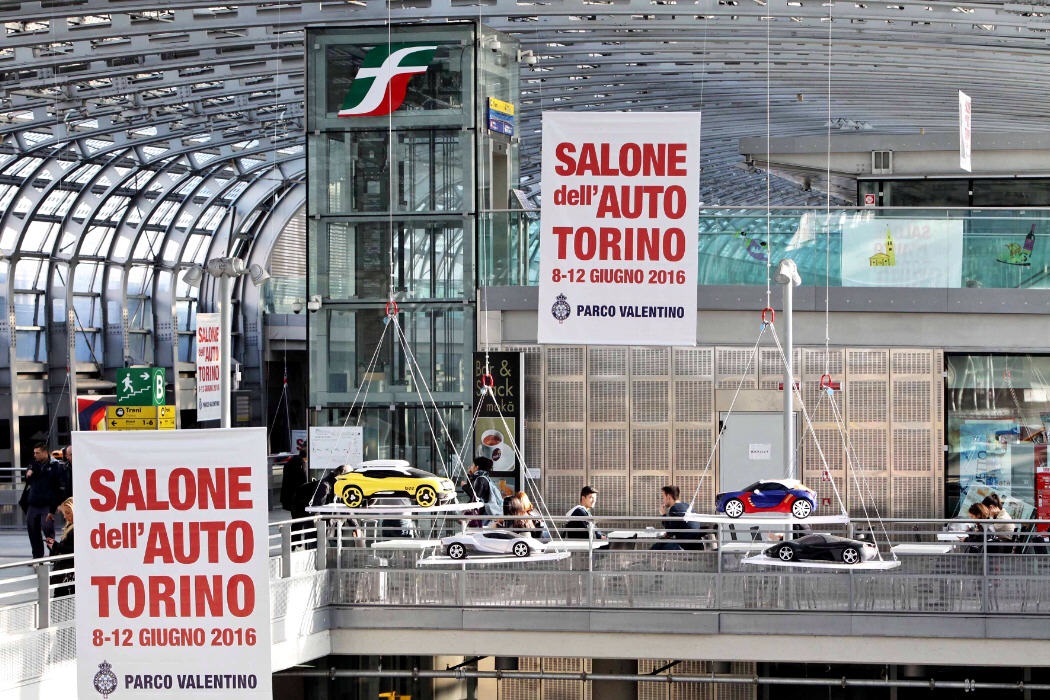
(491, 543)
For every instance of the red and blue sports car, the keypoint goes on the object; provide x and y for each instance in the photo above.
(769, 496)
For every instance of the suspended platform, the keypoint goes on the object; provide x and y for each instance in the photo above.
(876, 565)
(771, 519)
(479, 559)
(340, 509)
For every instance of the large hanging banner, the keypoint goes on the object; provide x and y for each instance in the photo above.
(209, 367)
(902, 253)
(172, 585)
(618, 256)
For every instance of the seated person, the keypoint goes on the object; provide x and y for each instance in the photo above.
(680, 533)
(580, 513)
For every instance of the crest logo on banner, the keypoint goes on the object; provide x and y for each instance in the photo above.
(382, 80)
(619, 228)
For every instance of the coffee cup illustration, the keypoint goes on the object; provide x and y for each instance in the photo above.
(491, 445)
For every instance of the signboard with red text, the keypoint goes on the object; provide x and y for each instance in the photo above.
(172, 572)
(209, 367)
(618, 236)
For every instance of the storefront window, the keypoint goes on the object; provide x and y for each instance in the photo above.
(998, 414)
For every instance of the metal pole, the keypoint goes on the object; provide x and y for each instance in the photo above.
(789, 408)
(225, 314)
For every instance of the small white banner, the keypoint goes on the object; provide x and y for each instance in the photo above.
(618, 237)
(759, 451)
(209, 367)
(965, 135)
(334, 446)
(172, 587)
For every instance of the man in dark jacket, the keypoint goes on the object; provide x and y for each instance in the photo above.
(295, 475)
(44, 480)
(680, 533)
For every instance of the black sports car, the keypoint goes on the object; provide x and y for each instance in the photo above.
(823, 547)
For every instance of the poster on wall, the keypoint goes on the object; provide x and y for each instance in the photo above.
(498, 432)
(985, 461)
(172, 589)
(902, 253)
(619, 221)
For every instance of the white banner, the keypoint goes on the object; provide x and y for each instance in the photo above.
(172, 586)
(902, 253)
(209, 367)
(618, 237)
(965, 135)
(334, 446)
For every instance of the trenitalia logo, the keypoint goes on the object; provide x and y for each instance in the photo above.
(381, 81)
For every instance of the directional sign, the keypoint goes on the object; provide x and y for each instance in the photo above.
(140, 424)
(140, 417)
(140, 386)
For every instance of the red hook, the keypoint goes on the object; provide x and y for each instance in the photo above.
(826, 383)
(771, 315)
(487, 381)
(391, 308)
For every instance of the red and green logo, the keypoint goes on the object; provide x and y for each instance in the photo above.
(381, 81)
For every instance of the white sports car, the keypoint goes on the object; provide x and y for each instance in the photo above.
(491, 542)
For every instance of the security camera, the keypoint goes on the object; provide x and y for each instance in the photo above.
(314, 304)
(297, 306)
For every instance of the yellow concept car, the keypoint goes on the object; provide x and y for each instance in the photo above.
(392, 477)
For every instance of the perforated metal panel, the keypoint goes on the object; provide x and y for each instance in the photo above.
(911, 401)
(870, 449)
(651, 362)
(912, 362)
(867, 400)
(602, 362)
(911, 450)
(694, 400)
(693, 362)
(647, 495)
(820, 362)
(565, 450)
(771, 367)
(874, 362)
(607, 401)
(651, 449)
(732, 371)
(912, 497)
(692, 449)
(650, 401)
(649, 412)
(565, 401)
(608, 449)
(565, 361)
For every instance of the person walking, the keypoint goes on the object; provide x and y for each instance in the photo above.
(43, 477)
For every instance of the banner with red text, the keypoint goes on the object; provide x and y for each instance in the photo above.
(618, 236)
(172, 571)
(209, 367)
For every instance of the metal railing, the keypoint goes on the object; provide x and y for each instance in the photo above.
(941, 571)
